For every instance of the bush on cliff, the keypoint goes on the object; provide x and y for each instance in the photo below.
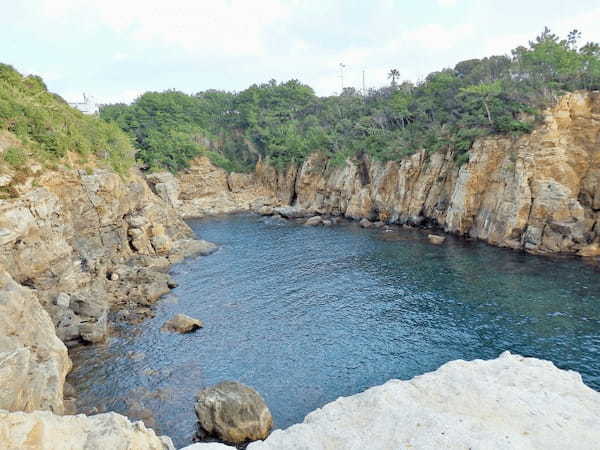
(48, 127)
(284, 122)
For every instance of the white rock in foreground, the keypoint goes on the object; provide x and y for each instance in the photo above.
(43, 430)
(510, 402)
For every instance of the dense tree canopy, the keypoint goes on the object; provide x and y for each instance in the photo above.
(284, 122)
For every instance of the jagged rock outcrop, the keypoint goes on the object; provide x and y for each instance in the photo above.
(506, 403)
(205, 189)
(73, 245)
(33, 361)
(86, 241)
(42, 430)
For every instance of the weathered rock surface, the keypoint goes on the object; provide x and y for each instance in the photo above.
(507, 403)
(180, 323)
(233, 413)
(81, 242)
(204, 189)
(33, 361)
(435, 239)
(313, 221)
(42, 430)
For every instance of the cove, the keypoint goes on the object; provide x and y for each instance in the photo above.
(305, 315)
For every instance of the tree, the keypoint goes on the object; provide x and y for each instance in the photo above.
(393, 74)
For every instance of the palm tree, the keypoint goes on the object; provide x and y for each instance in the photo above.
(393, 74)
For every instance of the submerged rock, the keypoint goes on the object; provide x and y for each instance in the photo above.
(366, 223)
(265, 210)
(181, 323)
(435, 239)
(233, 412)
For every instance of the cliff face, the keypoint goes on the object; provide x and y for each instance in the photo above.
(73, 244)
(539, 192)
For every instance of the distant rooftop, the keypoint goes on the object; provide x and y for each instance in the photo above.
(88, 106)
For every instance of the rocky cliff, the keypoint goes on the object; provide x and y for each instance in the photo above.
(538, 192)
(73, 245)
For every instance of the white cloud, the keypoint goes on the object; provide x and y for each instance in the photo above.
(447, 3)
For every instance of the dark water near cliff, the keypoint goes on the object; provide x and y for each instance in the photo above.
(305, 315)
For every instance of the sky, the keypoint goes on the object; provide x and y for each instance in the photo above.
(116, 50)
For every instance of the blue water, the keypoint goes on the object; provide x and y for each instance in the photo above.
(306, 315)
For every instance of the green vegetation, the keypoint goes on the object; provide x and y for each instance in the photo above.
(49, 128)
(284, 122)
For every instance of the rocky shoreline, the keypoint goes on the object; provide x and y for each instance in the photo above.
(77, 244)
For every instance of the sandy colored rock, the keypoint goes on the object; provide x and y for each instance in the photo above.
(233, 412)
(435, 239)
(313, 221)
(507, 403)
(180, 323)
(42, 430)
(33, 361)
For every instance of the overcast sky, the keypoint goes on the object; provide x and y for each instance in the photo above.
(117, 49)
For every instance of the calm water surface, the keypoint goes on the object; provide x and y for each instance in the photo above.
(306, 315)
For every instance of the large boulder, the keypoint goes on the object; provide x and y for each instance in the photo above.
(233, 412)
(180, 323)
(42, 430)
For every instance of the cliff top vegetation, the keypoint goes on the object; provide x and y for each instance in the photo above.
(44, 127)
(284, 122)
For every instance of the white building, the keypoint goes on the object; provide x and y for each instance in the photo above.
(88, 106)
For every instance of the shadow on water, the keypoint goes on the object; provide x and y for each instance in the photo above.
(306, 315)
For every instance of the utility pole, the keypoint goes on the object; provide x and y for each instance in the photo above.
(364, 88)
(342, 67)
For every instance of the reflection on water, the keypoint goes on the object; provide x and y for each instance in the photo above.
(306, 315)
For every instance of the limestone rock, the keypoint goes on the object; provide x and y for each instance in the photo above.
(507, 403)
(43, 430)
(365, 223)
(435, 239)
(290, 212)
(265, 210)
(33, 361)
(180, 323)
(233, 413)
(313, 221)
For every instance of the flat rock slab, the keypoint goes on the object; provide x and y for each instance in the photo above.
(510, 402)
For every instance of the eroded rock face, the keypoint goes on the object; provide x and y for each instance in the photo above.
(205, 189)
(233, 413)
(42, 430)
(33, 361)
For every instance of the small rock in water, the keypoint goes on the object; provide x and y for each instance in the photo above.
(366, 223)
(435, 239)
(181, 323)
(136, 356)
(233, 412)
(265, 211)
(313, 221)
(379, 224)
(327, 223)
